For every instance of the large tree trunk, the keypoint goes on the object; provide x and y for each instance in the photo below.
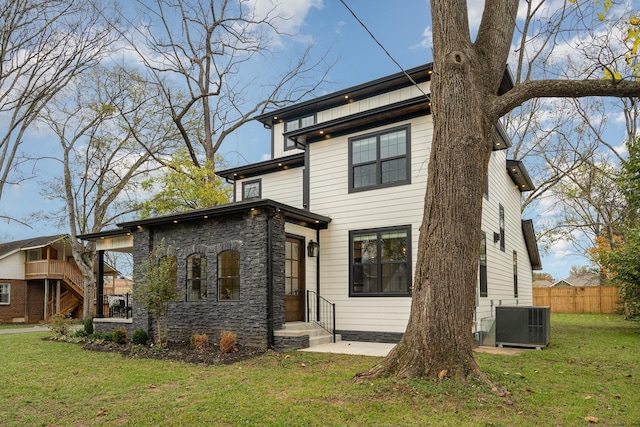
(438, 338)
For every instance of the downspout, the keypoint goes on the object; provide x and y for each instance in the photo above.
(270, 326)
(318, 277)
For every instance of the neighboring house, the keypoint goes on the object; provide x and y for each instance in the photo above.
(579, 280)
(542, 283)
(330, 224)
(38, 278)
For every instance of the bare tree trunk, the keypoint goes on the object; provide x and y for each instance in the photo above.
(438, 338)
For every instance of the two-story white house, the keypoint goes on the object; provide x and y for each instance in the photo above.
(326, 230)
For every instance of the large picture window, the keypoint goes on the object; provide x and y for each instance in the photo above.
(229, 276)
(196, 277)
(379, 160)
(380, 262)
(5, 293)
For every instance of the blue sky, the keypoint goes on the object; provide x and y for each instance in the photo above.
(401, 26)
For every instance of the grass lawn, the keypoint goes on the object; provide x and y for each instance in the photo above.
(15, 326)
(591, 369)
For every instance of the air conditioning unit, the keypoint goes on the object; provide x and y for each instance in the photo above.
(522, 326)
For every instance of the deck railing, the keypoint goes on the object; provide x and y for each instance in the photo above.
(55, 269)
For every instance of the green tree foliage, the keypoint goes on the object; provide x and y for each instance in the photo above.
(625, 269)
(184, 186)
(156, 285)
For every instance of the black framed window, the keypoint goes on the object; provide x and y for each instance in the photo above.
(379, 160)
(196, 277)
(252, 189)
(515, 274)
(5, 293)
(483, 265)
(229, 276)
(380, 262)
(296, 124)
(501, 224)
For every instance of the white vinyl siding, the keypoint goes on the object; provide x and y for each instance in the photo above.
(502, 191)
(376, 208)
(350, 107)
(283, 186)
(12, 266)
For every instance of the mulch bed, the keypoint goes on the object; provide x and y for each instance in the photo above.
(180, 351)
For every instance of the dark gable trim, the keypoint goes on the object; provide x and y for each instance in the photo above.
(419, 74)
(532, 244)
(291, 214)
(519, 175)
(261, 168)
(365, 120)
(395, 81)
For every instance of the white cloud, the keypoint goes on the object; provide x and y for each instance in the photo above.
(427, 40)
(289, 15)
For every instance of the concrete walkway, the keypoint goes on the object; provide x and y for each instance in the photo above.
(35, 328)
(353, 347)
(382, 349)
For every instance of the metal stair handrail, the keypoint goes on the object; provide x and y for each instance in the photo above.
(322, 312)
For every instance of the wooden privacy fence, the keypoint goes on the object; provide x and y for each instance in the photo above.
(585, 299)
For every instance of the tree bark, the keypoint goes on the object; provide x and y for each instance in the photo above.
(438, 339)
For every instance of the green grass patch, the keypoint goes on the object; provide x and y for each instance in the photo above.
(589, 370)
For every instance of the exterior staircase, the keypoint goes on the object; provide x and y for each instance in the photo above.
(317, 334)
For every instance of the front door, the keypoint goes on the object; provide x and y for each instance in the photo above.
(294, 279)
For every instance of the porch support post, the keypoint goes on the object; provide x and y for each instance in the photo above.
(46, 299)
(100, 290)
(57, 296)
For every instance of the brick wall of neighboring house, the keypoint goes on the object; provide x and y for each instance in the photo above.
(248, 318)
(14, 311)
(35, 301)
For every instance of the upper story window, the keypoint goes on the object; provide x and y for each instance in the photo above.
(196, 277)
(252, 189)
(296, 124)
(380, 262)
(5, 293)
(379, 160)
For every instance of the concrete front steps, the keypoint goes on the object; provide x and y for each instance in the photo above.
(317, 335)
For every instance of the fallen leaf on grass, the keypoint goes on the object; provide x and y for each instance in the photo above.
(593, 420)
(442, 374)
(102, 412)
(303, 365)
(587, 397)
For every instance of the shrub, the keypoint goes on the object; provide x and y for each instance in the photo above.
(227, 341)
(60, 325)
(100, 335)
(139, 336)
(199, 341)
(120, 335)
(88, 326)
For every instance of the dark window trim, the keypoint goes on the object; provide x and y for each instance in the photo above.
(502, 227)
(515, 274)
(290, 144)
(483, 276)
(8, 293)
(377, 134)
(218, 276)
(203, 280)
(253, 181)
(379, 231)
(486, 186)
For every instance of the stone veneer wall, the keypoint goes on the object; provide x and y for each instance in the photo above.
(245, 233)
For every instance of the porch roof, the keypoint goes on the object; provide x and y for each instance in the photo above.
(291, 215)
